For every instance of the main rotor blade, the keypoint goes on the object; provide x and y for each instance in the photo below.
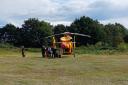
(78, 34)
(81, 35)
(55, 35)
(62, 42)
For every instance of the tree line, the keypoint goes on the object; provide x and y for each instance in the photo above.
(32, 33)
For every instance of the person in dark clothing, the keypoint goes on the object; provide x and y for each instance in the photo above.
(23, 51)
(43, 51)
(54, 54)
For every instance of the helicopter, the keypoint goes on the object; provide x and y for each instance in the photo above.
(67, 42)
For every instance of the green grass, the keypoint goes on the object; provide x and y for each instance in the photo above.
(84, 69)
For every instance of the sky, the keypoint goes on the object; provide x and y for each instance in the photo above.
(63, 11)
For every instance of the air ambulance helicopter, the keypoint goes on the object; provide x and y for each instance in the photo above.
(67, 42)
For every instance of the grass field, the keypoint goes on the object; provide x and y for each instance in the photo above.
(84, 69)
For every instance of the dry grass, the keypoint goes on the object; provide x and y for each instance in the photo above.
(82, 70)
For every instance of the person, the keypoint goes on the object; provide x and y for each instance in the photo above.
(49, 52)
(54, 54)
(46, 52)
(23, 51)
(43, 51)
(59, 53)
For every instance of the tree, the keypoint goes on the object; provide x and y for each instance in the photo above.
(59, 29)
(34, 31)
(88, 26)
(126, 39)
(115, 34)
(8, 33)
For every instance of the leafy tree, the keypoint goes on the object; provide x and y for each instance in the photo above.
(8, 33)
(88, 26)
(126, 39)
(34, 32)
(59, 29)
(115, 34)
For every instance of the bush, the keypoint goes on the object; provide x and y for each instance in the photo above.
(6, 45)
(123, 47)
(33, 49)
(100, 49)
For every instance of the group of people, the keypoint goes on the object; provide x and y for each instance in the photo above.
(50, 52)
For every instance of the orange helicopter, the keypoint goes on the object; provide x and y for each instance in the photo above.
(67, 42)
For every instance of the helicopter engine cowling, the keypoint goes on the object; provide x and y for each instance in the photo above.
(67, 43)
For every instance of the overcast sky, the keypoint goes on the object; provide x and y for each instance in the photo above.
(63, 11)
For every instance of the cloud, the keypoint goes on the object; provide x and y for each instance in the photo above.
(21, 9)
(62, 11)
(66, 23)
(109, 11)
(116, 20)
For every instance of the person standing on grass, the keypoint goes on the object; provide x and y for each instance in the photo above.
(49, 52)
(43, 51)
(54, 53)
(23, 51)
